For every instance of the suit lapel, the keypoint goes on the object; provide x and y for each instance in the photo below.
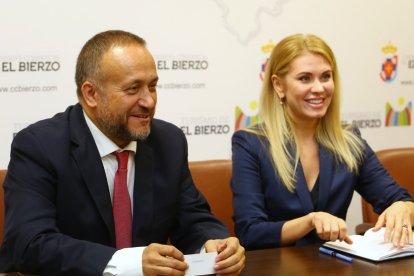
(143, 193)
(90, 165)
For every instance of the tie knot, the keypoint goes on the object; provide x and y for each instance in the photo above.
(122, 158)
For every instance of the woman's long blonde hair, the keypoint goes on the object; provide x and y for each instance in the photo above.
(276, 124)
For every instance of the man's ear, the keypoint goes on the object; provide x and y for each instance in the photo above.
(277, 86)
(89, 93)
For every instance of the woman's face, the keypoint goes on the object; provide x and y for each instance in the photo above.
(307, 88)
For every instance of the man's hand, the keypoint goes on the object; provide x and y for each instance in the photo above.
(230, 258)
(159, 259)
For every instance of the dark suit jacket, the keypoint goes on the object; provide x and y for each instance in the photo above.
(58, 208)
(262, 204)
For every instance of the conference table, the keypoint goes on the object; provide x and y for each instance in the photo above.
(306, 260)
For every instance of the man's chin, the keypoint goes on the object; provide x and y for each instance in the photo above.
(141, 134)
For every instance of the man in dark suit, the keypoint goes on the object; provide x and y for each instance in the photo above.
(60, 183)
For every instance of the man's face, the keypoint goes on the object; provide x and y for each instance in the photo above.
(127, 95)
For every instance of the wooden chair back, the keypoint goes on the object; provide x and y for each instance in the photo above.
(399, 162)
(212, 178)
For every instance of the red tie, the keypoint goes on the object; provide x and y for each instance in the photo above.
(122, 203)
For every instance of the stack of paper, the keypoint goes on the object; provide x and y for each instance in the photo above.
(372, 246)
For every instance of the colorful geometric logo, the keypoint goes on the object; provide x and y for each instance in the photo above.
(266, 49)
(244, 121)
(398, 118)
(389, 67)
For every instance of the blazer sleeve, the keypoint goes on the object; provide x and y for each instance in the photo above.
(33, 241)
(252, 224)
(376, 186)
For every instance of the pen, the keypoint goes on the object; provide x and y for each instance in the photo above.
(335, 254)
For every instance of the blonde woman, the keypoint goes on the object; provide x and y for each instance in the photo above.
(294, 174)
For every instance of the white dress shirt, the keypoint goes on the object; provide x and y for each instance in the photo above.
(127, 261)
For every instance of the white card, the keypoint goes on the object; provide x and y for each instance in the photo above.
(200, 264)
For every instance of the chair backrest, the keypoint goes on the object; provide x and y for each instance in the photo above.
(399, 163)
(212, 178)
(2, 177)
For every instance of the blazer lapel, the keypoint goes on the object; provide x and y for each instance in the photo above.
(87, 158)
(143, 194)
(326, 165)
(302, 190)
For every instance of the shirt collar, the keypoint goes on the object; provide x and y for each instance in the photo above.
(104, 144)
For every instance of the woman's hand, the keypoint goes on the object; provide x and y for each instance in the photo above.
(397, 220)
(329, 227)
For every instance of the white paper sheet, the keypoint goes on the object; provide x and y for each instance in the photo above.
(200, 264)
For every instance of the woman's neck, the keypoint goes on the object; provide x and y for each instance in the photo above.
(305, 132)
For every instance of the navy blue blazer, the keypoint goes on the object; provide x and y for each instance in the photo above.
(262, 204)
(58, 207)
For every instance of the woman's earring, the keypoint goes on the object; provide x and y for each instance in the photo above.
(282, 101)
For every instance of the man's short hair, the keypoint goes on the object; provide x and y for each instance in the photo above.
(90, 57)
